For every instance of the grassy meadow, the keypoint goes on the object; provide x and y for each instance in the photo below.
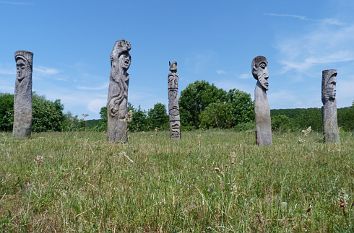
(210, 181)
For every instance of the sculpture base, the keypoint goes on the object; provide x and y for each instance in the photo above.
(117, 131)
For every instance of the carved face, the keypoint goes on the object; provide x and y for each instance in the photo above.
(331, 87)
(21, 69)
(124, 61)
(260, 72)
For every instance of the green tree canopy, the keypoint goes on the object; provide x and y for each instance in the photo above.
(6, 112)
(157, 117)
(47, 115)
(242, 106)
(139, 120)
(217, 115)
(195, 98)
(281, 123)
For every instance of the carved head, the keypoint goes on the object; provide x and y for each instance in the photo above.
(23, 64)
(173, 66)
(124, 61)
(260, 71)
(329, 82)
(121, 51)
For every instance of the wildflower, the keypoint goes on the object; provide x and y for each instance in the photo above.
(38, 160)
(307, 131)
(343, 200)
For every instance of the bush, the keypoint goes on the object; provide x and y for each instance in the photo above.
(281, 123)
(217, 115)
(246, 126)
(195, 98)
(157, 117)
(242, 106)
(6, 112)
(46, 115)
(72, 123)
(139, 120)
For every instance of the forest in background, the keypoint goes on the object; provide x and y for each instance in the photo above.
(202, 106)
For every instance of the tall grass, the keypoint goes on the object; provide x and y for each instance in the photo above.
(210, 181)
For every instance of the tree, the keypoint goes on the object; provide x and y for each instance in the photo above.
(139, 120)
(137, 123)
(281, 123)
(102, 124)
(6, 112)
(72, 123)
(195, 98)
(217, 115)
(346, 118)
(46, 115)
(242, 106)
(157, 117)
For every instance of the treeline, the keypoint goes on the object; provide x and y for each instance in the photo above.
(202, 105)
(46, 115)
(140, 120)
(301, 118)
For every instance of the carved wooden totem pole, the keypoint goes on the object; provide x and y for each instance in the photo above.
(173, 107)
(262, 110)
(117, 104)
(23, 94)
(329, 109)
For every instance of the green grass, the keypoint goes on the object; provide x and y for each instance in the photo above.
(210, 181)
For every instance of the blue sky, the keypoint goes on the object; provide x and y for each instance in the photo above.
(211, 40)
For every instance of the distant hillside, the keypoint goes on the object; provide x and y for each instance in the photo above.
(304, 117)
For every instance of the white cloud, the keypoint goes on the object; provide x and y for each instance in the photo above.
(309, 62)
(228, 84)
(96, 104)
(302, 57)
(37, 70)
(233, 74)
(323, 46)
(221, 72)
(77, 102)
(301, 17)
(286, 98)
(245, 76)
(144, 99)
(197, 63)
(327, 21)
(42, 70)
(7, 71)
(345, 91)
(103, 86)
